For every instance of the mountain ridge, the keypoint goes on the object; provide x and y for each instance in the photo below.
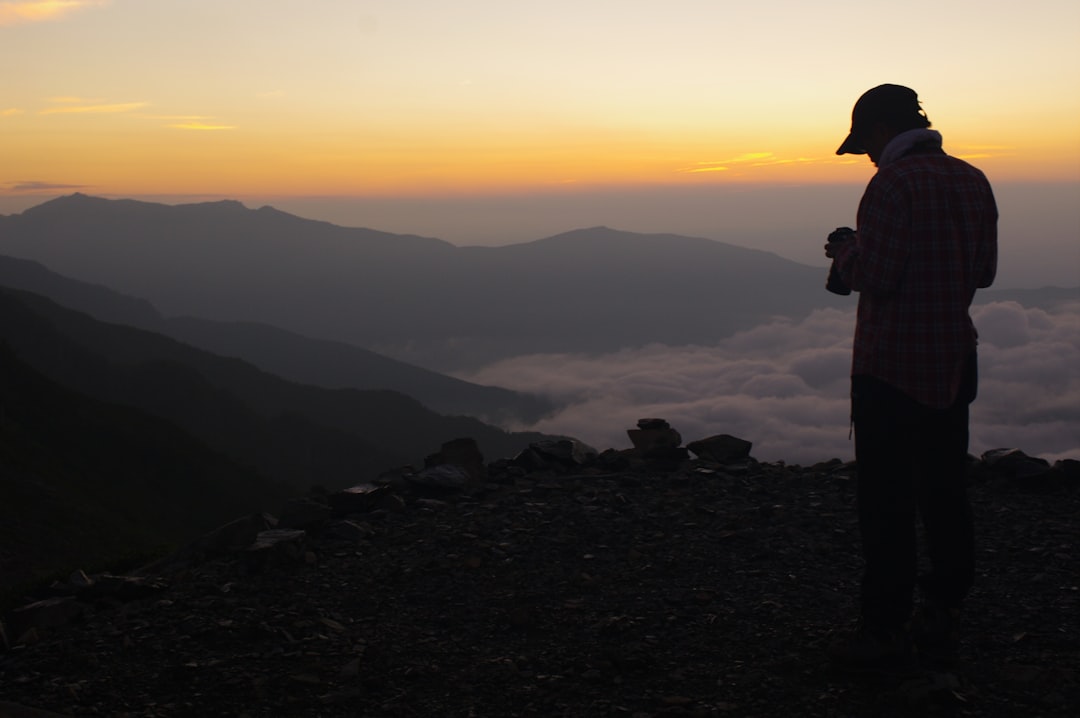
(230, 404)
(416, 299)
(288, 354)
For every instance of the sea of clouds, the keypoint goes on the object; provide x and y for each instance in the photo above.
(784, 386)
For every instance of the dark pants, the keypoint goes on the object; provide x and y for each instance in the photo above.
(911, 461)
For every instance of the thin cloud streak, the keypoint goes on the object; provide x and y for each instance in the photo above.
(37, 186)
(73, 100)
(784, 386)
(750, 159)
(200, 126)
(982, 152)
(30, 11)
(175, 118)
(94, 109)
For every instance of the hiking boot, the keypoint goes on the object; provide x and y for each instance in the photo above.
(868, 649)
(936, 632)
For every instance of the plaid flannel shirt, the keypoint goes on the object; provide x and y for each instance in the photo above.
(926, 239)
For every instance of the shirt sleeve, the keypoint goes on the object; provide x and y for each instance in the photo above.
(875, 262)
(986, 262)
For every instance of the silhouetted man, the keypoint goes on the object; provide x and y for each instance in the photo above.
(926, 238)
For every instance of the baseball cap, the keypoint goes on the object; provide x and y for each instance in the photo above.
(894, 104)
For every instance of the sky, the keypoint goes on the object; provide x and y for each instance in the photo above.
(784, 386)
(391, 98)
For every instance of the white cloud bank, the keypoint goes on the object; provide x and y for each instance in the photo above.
(784, 386)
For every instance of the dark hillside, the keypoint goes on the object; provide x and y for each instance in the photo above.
(104, 361)
(97, 301)
(83, 480)
(286, 354)
(287, 431)
(336, 365)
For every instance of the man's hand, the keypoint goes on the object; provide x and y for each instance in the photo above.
(837, 238)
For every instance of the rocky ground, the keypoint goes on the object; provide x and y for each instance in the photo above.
(613, 588)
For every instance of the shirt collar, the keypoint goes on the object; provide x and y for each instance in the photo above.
(901, 144)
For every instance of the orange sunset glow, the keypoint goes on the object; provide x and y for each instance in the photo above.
(339, 98)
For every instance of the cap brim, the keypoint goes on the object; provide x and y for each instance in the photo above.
(851, 146)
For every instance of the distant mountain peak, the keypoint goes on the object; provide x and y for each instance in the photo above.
(592, 232)
(608, 236)
(229, 203)
(82, 201)
(76, 198)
